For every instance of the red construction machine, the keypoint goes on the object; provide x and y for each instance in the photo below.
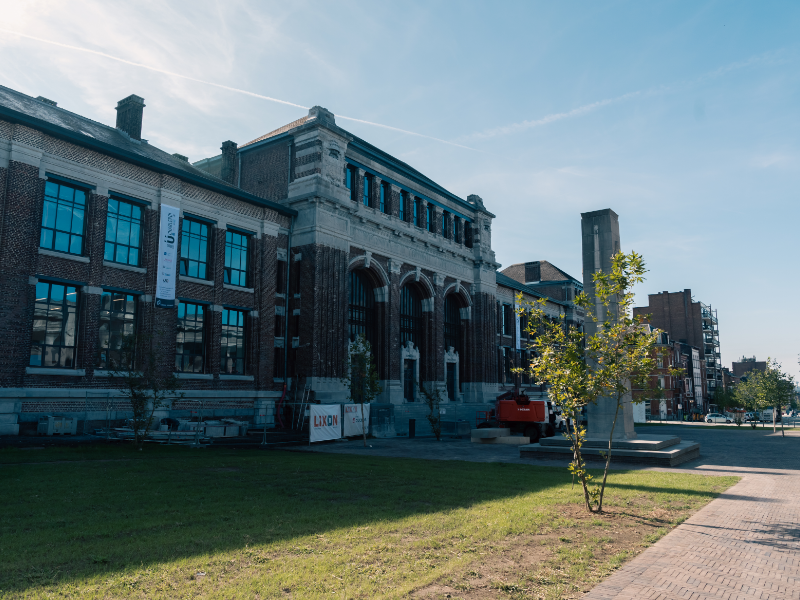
(518, 413)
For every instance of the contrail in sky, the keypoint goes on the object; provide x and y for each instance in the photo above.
(221, 86)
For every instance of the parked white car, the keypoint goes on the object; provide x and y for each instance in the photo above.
(717, 418)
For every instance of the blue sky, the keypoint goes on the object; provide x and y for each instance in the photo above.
(681, 116)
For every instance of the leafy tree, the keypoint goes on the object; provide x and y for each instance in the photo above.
(144, 387)
(764, 389)
(580, 369)
(433, 400)
(361, 377)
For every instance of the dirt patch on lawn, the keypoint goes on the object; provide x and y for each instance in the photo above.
(565, 562)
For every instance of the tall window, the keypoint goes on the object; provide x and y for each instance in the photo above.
(55, 325)
(506, 364)
(236, 258)
(194, 249)
(411, 320)
(367, 189)
(384, 194)
(117, 320)
(361, 306)
(508, 320)
(446, 224)
(457, 229)
(417, 213)
(232, 346)
(123, 232)
(429, 217)
(402, 211)
(280, 278)
(350, 179)
(62, 218)
(452, 323)
(190, 350)
(277, 364)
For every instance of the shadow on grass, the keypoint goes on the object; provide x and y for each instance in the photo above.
(63, 522)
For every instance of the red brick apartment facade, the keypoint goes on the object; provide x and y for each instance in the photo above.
(290, 245)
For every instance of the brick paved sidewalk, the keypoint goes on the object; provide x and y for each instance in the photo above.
(744, 544)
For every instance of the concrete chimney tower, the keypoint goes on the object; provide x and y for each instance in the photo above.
(130, 111)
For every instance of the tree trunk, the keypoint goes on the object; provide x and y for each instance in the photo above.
(363, 428)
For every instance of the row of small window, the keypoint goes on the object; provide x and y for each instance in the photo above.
(63, 227)
(54, 338)
(410, 208)
(510, 359)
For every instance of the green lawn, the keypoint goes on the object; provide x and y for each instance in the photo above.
(172, 522)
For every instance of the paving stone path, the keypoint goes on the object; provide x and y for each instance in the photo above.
(744, 544)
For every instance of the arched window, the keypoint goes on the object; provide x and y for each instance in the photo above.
(452, 322)
(362, 301)
(411, 322)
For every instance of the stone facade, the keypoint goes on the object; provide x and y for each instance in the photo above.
(308, 231)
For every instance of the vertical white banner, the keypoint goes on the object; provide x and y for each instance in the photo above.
(516, 317)
(353, 423)
(166, 266)
(325, 423)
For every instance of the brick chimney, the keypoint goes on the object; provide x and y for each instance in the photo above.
(228, 172)
(129, 116)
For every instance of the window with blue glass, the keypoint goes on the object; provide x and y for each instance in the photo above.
(402, 208)
(55, 325)
(429, 218)
(236, 258)
(62, 218)
(190, 347)
(417, 212)
(117, 326)
(384, 195)
(367, 189)
(350, 179)
(232, 343)
(446, 224)
(194, 249)
(123, 232)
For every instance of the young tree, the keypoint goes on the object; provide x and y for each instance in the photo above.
(580, 369)
(771, 388)
(361, 377)
(135, 364)
(433, 400)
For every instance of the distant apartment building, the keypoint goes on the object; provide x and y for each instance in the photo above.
(693, 323)
(746, 364)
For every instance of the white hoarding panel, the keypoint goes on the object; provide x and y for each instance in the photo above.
(325, 422)
(353, 424)
(167, 257)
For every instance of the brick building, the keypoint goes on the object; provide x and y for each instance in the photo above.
(288, 245)
(694, 324)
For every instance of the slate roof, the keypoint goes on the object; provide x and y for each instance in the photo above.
(278, 131)
(506, 281)
(75, 128)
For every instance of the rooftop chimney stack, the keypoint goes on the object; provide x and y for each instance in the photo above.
(228, 172)
(129, 116)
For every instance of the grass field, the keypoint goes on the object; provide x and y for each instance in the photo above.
(172, 522)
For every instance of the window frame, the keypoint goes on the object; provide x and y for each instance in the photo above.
(401, 212)
(365, 193)
(429, 218)
(188, 259)
(203, 340)
(62, 308)
(350, 180)
(384, 193)
(115, 244)
(104, 361)
(456, 229)
(241, 349)
(417, 212)
(227, 269)
(57, 201)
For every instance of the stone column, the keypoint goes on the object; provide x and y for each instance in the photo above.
(600, 236)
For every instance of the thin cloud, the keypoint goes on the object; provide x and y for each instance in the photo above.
(521, 126)
(221, 86)
(775, 57)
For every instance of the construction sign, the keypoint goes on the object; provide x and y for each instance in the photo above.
(325, 422)
(353, 422)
